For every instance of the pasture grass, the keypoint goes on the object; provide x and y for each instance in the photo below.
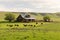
(45, 31)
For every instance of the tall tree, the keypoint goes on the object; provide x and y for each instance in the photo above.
(9, 17)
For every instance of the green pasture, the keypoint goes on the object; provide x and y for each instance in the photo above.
(45, 31)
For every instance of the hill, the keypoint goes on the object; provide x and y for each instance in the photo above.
(38, 16)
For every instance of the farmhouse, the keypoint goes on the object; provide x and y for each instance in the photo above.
(24, 17)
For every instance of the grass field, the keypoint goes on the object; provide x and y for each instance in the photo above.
(45, 31)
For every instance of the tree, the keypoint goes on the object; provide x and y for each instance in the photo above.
(46, 18)
(9, 17)
(27, 16)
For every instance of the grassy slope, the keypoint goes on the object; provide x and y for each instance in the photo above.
(38, 16)
(2, 15)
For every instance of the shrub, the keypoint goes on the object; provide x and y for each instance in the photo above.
(46, 18)
(9, 17)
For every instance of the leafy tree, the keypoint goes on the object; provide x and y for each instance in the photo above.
(27, 16)
(9, 17)
(46, 18)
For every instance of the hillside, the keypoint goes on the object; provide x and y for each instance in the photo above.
(38, 16)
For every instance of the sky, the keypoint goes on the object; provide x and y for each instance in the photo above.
(30, 5)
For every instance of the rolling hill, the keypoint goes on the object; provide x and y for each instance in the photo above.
(38, 16)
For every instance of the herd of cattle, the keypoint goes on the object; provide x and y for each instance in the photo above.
(25, 25)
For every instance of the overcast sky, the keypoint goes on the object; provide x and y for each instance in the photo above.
(30, 5)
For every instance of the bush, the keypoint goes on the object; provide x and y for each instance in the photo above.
(46, 18)
(27, 16)
(9, 17)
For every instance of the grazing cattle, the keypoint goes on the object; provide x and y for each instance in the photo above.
(11, 25)
(16, 25)
(31, 25)
(36, 23)
(25, 25)
(41, 23)
(34, 26)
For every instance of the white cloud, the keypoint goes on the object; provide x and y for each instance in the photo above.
(21, 9)
(30, 5)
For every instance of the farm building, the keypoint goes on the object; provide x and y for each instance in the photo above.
(24, 17)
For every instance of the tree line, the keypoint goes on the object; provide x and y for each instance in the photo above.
(11, 17)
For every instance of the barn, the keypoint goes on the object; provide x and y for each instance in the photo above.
(25, 18)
